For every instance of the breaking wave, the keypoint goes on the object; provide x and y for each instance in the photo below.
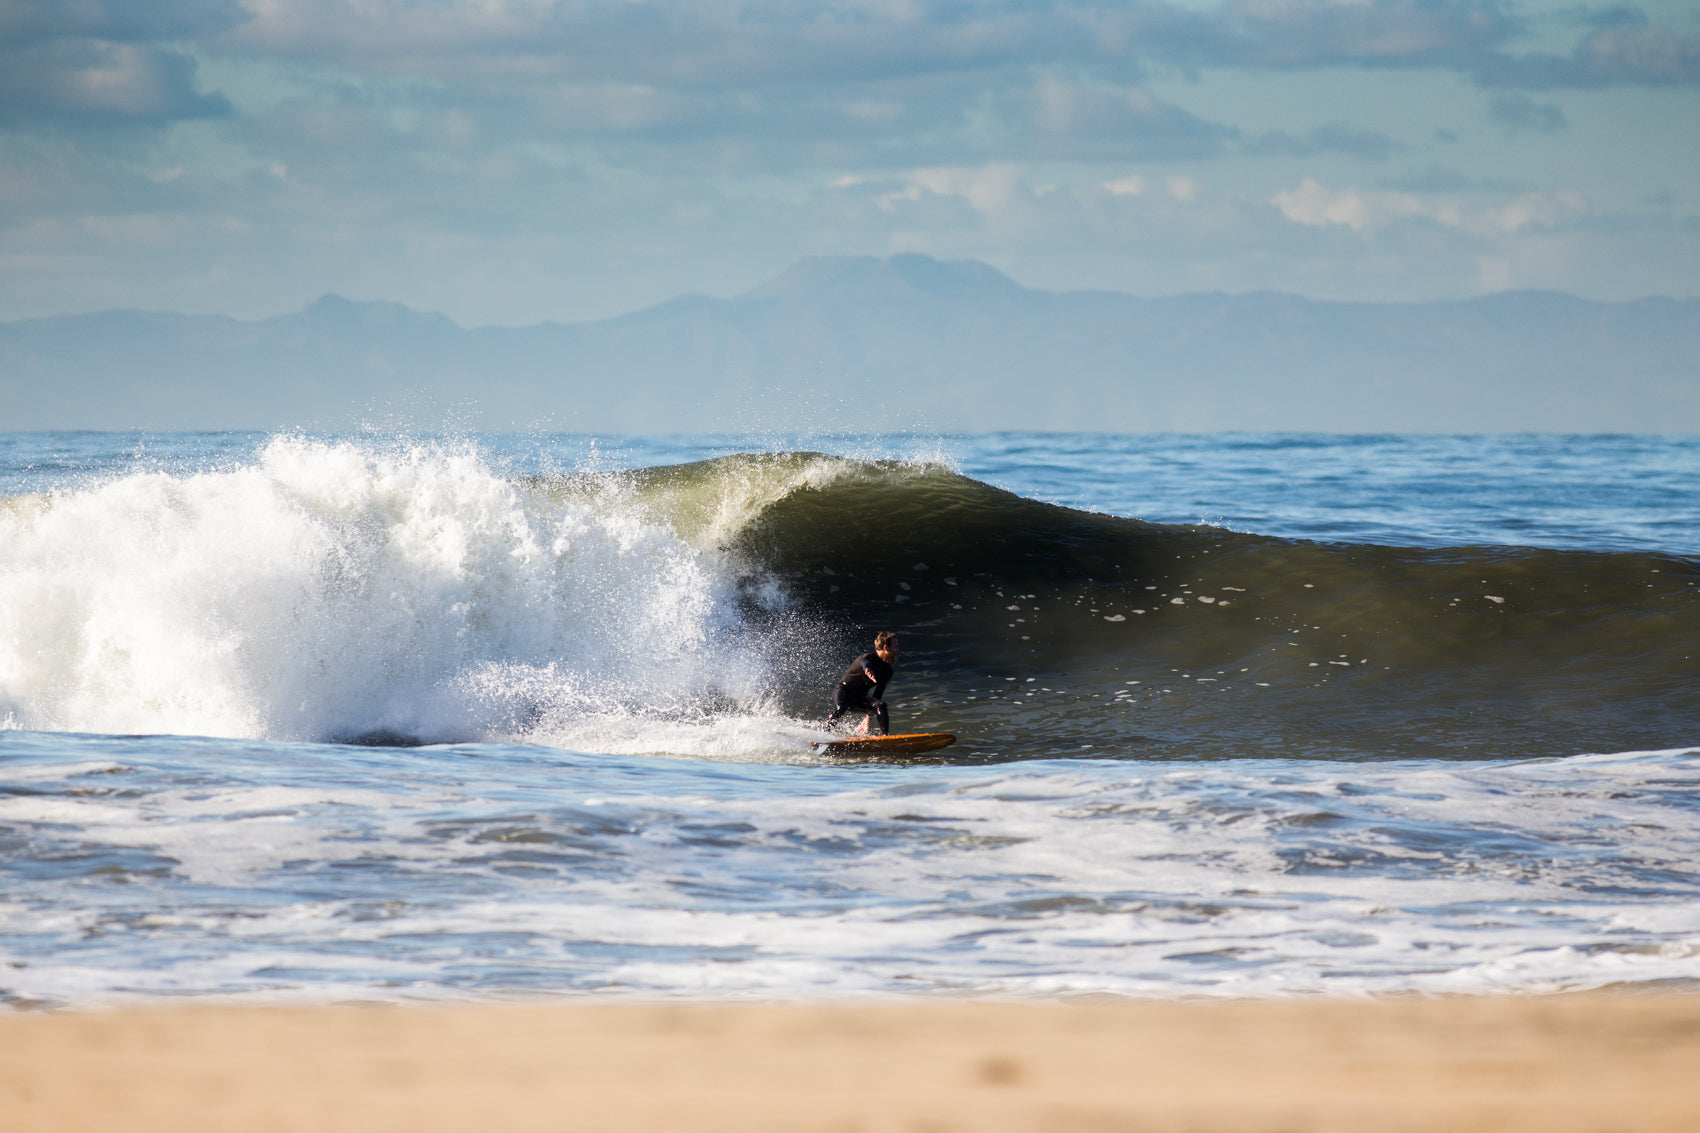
(416, 594)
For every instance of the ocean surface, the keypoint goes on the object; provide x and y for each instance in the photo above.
(391, 718)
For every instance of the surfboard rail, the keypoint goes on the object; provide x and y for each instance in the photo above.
(914, 743)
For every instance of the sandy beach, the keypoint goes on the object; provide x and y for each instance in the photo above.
(1597, 1062)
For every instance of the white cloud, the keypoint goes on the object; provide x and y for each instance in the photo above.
(1317, 205)
(988, 189)
(1541, 209)
(1132, 185)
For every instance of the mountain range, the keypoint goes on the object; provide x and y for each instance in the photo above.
(876, 345)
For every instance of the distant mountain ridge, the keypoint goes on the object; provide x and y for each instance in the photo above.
(869, 344)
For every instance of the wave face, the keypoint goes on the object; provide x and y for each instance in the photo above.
(340, 592)
(1039, 629)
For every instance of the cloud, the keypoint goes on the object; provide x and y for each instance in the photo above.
(1316, 205)
(1085, 122)
(1517, 112)
(106, 62)
(613, 52)
(674, 42)
(1135, 235)
(890, 124)
(1385, 33)
(1626, 51)
(1540, 210)
(989, 190)
(691, 44)
(879, 80)
(1470, 37)
(24, 22)
(1651, 55)
(101, 82)
(1132, 185)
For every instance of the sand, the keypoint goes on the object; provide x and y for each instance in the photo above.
(1553, 1064)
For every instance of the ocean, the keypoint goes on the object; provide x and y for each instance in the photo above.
(378, 717)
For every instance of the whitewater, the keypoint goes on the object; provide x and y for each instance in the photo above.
(297, 718)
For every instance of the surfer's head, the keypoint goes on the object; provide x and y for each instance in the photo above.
(885, 644)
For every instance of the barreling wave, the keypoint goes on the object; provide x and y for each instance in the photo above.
(1045, 629)
(336, 592)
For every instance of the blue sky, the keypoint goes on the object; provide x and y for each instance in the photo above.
(510, 161)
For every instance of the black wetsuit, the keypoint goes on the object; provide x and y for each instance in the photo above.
(856, 693)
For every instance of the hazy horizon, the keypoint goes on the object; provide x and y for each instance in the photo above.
(331, 298)
(917, 342)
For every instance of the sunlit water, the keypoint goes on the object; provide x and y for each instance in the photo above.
(666, 829)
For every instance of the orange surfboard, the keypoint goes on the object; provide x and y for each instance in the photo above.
(913, 744)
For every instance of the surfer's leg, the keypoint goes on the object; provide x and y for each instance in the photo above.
(838, 705)
(885, 717)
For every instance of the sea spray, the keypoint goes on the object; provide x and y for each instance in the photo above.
(337, 591)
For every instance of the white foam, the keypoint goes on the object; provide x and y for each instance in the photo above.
(671, 878)
(330, 590)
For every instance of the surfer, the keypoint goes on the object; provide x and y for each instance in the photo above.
(863, 684)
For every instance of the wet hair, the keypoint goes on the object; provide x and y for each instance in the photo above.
(884, 638)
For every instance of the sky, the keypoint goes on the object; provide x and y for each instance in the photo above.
(515, 161)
